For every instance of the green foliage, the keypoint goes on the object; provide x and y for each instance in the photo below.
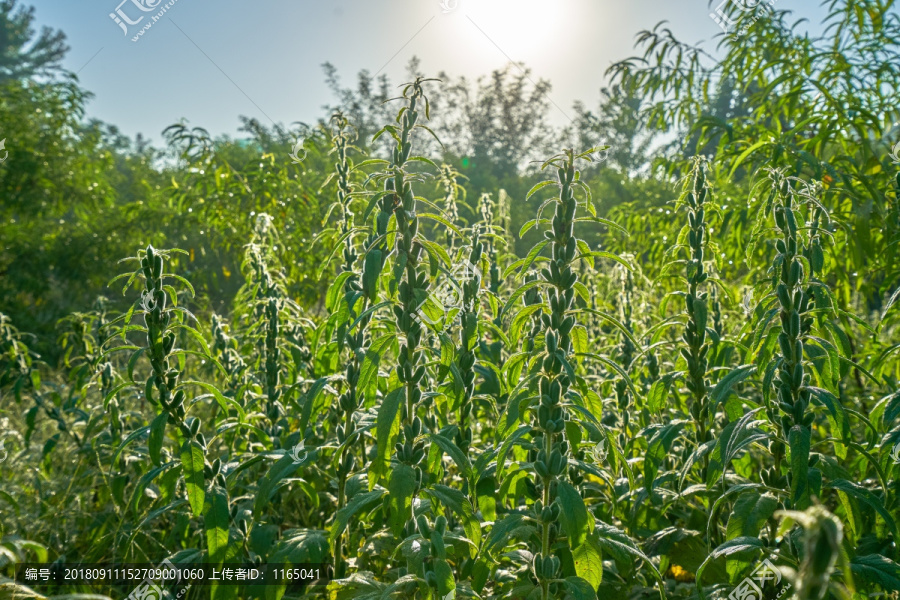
(649, 397)
(16, 30)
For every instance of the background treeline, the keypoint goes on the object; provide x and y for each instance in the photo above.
(77, 193)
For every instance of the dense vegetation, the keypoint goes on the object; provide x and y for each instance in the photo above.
(447, 372)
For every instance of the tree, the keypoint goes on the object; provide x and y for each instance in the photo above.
(816, 107)
(45, 53)
(619, 125)
(500, 122)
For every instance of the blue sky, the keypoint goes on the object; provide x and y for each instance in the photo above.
(210, 61)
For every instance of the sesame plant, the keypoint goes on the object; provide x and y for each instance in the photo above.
(696, 305)
(654, 400)
(351, 330)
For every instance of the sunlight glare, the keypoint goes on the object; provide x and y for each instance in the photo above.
(521, 28)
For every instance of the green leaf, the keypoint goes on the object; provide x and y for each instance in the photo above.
(580, 589)
(861, 493)
(529, 225)
(337, 290)
(6, 496)
(360, 502)
(177, 504)
(877, 569)
(131, 437)
(735, 436)
(743, 156)
(502, 529)
(301, 546)
(386, 430)
(615, 367)
(532, 256)
(157, 432)
(39, 550)
(308, 401)
(439, 259)
(735, 376)
(216, 521)
(799, 442)
(751, 512)
(658, 448)
(192, 462)
(659, 391)
(423, 159)
(145, 481)
(368, 376)
(180, 280)
(518, 293)
(461, 460)
(282, 468)
(196, 335)
(338, 245)
(456, 501)
(446, 585)
(617, 543)
(371, 272)
(507, 444)
(610, 256)
(580, 340)
(840, 424)
(401, 488)
(224, 402)
(573, 514)
(588, 558)
(442, 221)
(736, 546)
(521, 318)
(538, 187)
(607, 222)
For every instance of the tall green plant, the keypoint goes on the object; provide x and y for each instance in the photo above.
(697, 203)
(454, 193)
(626, 349)
(165, 388)
(560, 505)
(352, 332)
(410, 284)
(468, 343)
(799, 256)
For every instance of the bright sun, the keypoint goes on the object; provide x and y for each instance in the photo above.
(520, 28)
